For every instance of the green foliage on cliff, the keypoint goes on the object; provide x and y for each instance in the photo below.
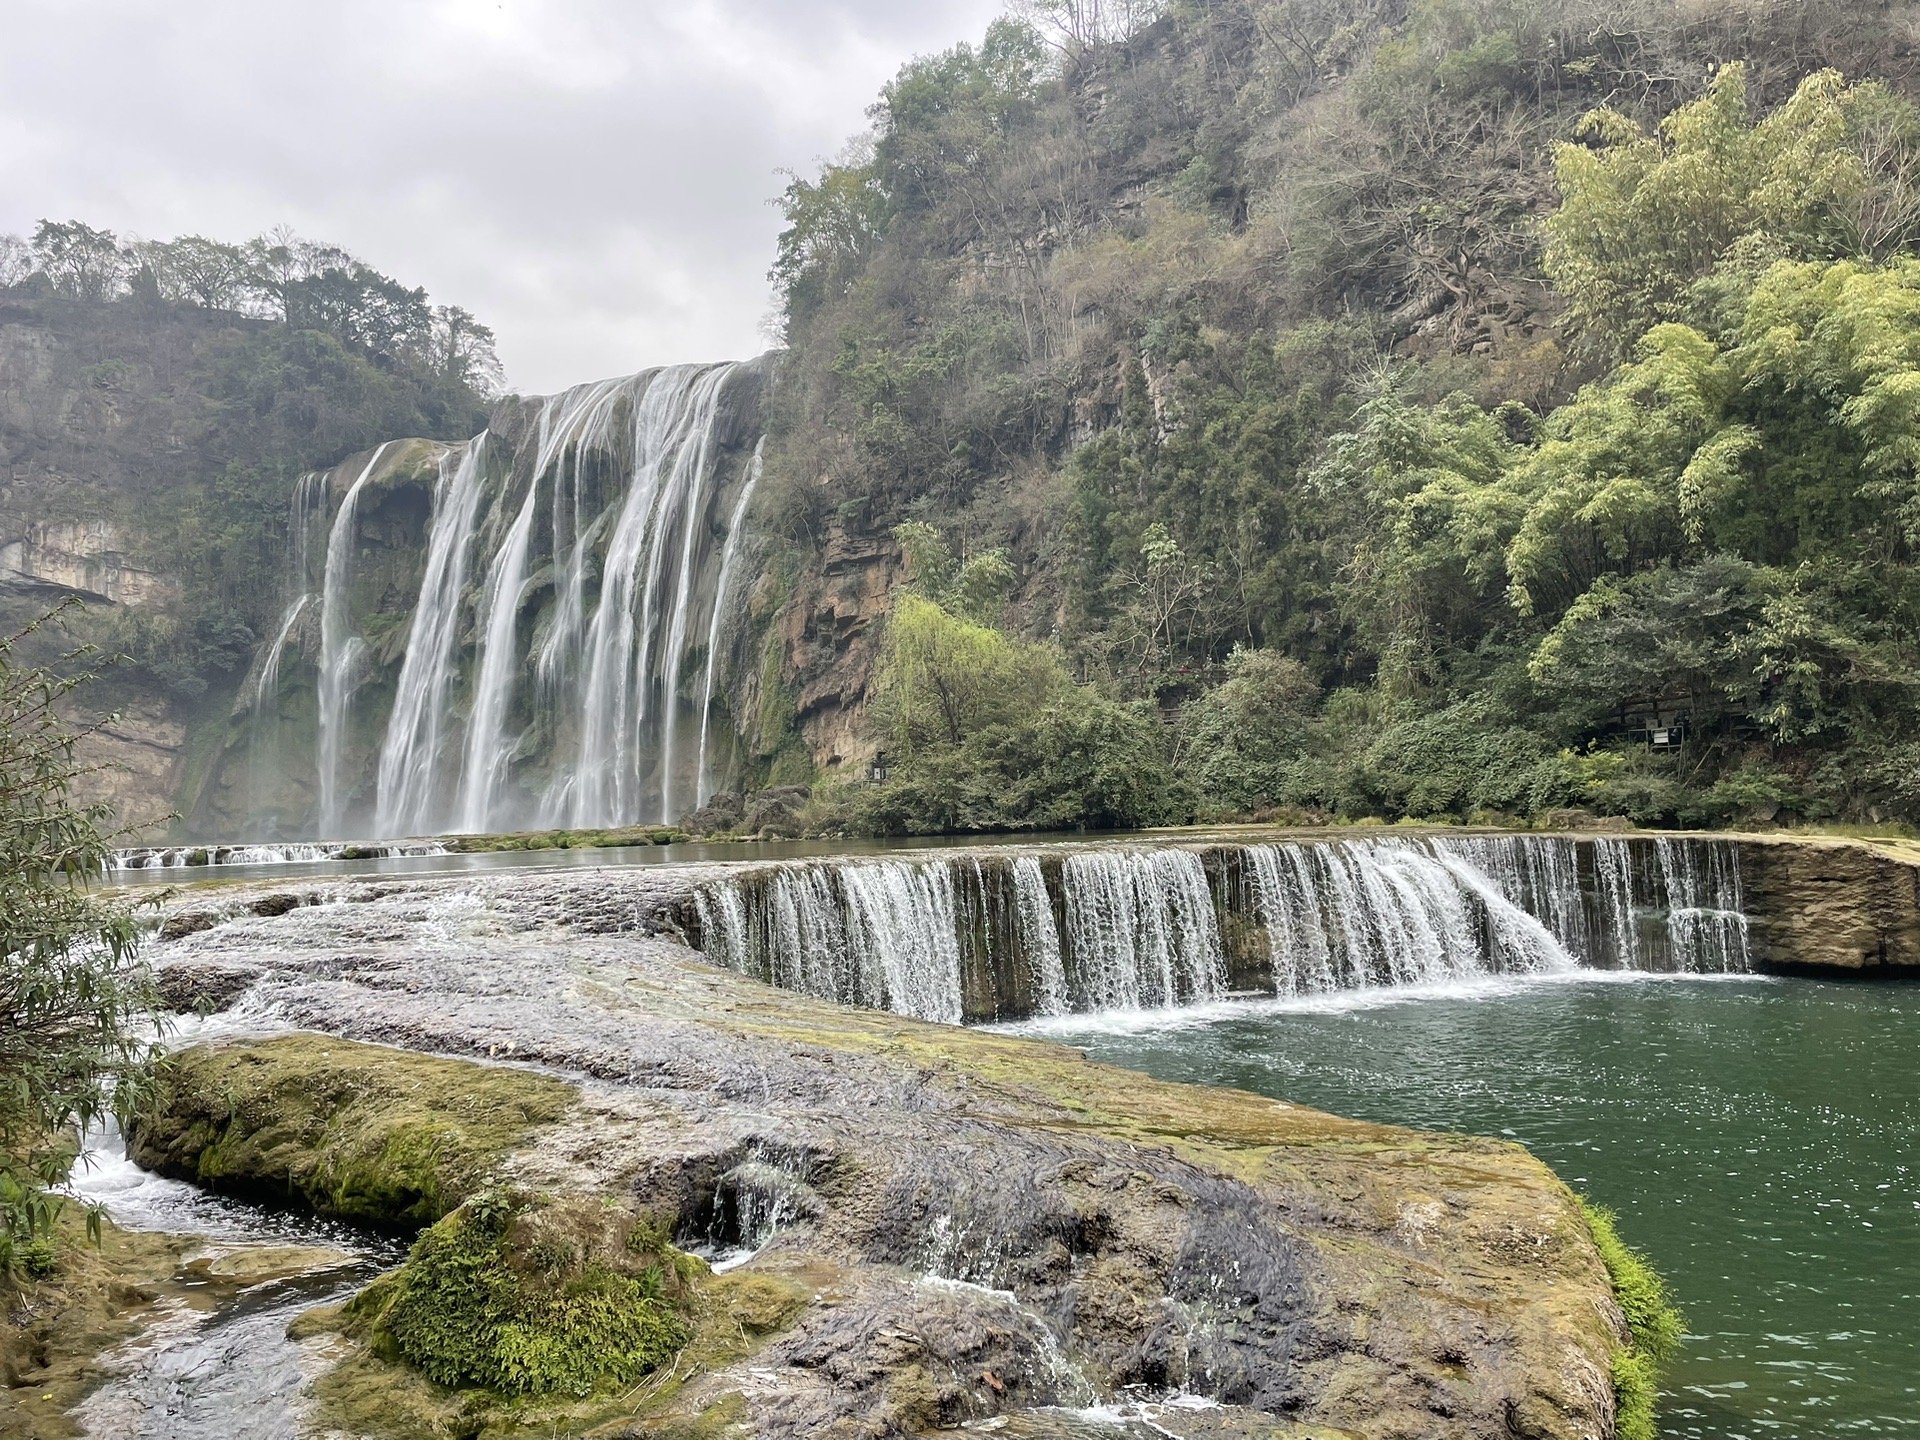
(73, 992)
(524, 1296)
(1426, 402)
(196, 380)
(985, 731)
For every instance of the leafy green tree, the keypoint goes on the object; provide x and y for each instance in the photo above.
(73, 993)
(1645, 217)
(941, 678)
(1250, 741)
(832, 225)
(1667, 634)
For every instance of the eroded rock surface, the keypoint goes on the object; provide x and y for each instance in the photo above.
(980, 1225)
(1834, 905)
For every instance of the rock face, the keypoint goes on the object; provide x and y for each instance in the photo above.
(981, 1225)
(1834, 906)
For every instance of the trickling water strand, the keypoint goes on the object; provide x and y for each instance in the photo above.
(488, 751)
(309, 498)
(338, 647)
(1039, 937)
(1706, 926)
(268, 686)
(732, 548)
(410, 755)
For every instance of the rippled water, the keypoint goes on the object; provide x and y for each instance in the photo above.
(224, 1371)
(1759, 1138)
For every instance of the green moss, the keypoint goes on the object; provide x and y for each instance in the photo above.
(566, 839)
(378, 1136)
(1655, 1326)
(531, 1297)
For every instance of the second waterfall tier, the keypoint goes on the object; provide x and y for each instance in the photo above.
(1011, 934)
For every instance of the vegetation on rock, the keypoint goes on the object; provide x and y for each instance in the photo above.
(1654, 1327)
(1429, 403)
(73, 991)
(534, 1296)
(362, 1133)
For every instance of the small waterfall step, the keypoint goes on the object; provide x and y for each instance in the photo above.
(1010, 934)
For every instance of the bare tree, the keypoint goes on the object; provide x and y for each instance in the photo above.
(16, 260)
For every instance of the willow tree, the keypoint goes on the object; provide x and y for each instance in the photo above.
(73, 992)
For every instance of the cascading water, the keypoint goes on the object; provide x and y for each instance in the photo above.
(1118, 928)
(339, 647)
(487, 753)
(410, 758)
(574, 562)
(736, 527)
(626, 684)
(1142, 930)
(309, 500)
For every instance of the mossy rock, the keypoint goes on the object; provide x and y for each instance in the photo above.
(526, 1295)
(359, 1132)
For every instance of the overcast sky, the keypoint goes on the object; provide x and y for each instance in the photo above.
(590, 177)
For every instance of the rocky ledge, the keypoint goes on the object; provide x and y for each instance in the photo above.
(946, 1227)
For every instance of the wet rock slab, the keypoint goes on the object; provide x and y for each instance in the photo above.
(980, 1229)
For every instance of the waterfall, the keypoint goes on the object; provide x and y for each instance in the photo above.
(1039, 937)
(628, 695)
(734, 528)
(338, 646)
(597, 514)
(308, 500)
(1142, 929)
(879, 933)
(488, 752)
(411, 753)
(1021, 933)
(268, 684)
(1706, 922)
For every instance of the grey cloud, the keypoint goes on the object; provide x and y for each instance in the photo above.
(590, 177)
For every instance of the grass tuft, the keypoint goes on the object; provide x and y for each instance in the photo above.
(1653, 1323)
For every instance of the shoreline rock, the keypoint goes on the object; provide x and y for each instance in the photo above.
(980, 1225)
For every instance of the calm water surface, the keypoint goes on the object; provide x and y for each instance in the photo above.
(1759, 1138)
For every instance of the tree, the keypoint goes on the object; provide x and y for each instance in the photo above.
(460, 349)
(79, 261)
(197, 270)
(16, 260)
(73, 991)
(1647, 217)
(832, 223)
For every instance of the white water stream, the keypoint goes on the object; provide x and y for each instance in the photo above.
(1125, 928)
(572, 573)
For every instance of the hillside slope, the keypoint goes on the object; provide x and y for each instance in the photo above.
(1277, 350)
